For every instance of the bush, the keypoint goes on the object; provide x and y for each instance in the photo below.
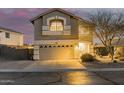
(87, 58)
(101, 51)
(115, 61)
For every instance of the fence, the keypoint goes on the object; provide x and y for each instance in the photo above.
(15, 53)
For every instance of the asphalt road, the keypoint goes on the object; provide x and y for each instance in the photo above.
(62, 78)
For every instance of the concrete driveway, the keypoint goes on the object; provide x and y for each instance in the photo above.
(34, 66)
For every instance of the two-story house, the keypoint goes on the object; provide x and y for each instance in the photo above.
(10, 37)
(61, 35)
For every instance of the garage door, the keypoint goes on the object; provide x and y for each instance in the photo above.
(56, 52)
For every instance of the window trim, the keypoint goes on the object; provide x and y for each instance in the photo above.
(56, 26)
(7, 35)
(56, 17)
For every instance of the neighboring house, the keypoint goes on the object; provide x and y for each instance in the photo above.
(61, 35)
(117, 46)
(120, 48)
(10, 37)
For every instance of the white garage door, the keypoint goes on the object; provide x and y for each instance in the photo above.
(56, 52)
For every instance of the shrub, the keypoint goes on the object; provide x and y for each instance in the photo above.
(87, 58)
(115, 61)
(101, 51)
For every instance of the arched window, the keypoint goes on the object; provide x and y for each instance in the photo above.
(56, 25)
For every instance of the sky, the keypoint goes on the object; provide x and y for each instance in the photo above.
(18, 19)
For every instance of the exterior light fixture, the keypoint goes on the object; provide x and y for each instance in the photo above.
(81, 46)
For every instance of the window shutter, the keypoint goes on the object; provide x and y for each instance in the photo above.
(66, 28)
(45, 28)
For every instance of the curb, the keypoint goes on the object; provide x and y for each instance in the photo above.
(62, 70)
(105, 69)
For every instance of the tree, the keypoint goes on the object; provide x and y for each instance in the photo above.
(109, 28)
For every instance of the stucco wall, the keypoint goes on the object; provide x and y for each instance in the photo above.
(15, 38)
(88, 33)
(43, 21)
(38, 29)
(120, 51)
(54, 14)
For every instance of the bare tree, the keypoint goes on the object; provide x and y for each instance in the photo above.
(109, 28)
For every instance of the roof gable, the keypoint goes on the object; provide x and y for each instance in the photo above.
(7, 29)
(62, 11)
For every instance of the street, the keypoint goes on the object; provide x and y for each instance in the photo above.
(60, 73)
(62, 78)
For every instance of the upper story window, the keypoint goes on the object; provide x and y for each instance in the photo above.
(7, 35)
(56, 25)
(83, 30)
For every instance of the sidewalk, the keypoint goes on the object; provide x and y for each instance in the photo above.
(58, 66)
(40, 66)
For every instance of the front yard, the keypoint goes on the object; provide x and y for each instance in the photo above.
(90, 61)
(103, 65)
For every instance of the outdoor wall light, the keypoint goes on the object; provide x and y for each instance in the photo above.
(81, 46)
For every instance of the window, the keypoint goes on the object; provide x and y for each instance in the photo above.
(41, 46)
(83, 30)
(58, 45)
(7, 35)
(45, 46)
(67, 45)
(56, 25)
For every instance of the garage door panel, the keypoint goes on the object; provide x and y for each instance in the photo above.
(57, 53)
